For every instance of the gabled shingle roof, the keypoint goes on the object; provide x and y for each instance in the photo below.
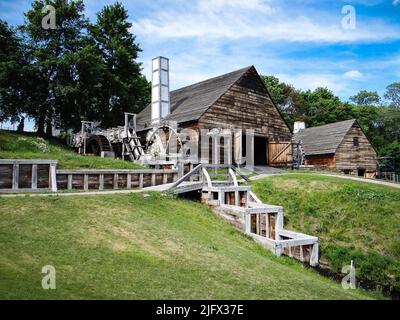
(323, 139)
(189, 103)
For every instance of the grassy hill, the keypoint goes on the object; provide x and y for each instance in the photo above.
(28, 146)
(354, 220)
(142, 247)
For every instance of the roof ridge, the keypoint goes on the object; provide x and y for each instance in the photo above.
(242, 71)
(328, 124)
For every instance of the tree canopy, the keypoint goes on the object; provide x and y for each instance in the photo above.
(366, 98)
(393, 94)
(73, 72)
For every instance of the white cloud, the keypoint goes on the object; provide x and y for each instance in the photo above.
(219, 5)
(255, 19)
(353, 75)
(311, 81)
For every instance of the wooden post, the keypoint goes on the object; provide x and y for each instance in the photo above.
(69, 184)
(165, 178)
(314, 255)
(115, 180)
(101, 182)
(181, 171)
(221, 198)
(153, 179)
(258, 224)
(129, 181)
(15, 176)
(34, 176)
(85, 182)
(237, 200)
(53, 178)
(141, 181)
(301, 254)
(190, 169)
(248, 223)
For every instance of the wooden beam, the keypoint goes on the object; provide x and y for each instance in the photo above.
(195, 170)
(15, 176)
(115, 181)
(101, 182)
(53, 177)
(34, 176)
(69, 183)
(281, 152)
(85, 182)
(141, 181)
(129, 181)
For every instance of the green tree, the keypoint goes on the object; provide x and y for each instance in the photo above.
(123, 87)
(366, 98)
(393, 94)
(321, 106)
(275, 88)
(285, 96)
(12, 65)
(53, 54)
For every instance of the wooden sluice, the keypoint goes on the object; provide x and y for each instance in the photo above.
(238, 205)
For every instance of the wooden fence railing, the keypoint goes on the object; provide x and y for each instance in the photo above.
(27, 175)
(113, 179)
(389, 176)
(41, 175)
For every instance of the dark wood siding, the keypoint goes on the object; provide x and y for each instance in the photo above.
(350, 157)
(247, 105)
(322, 161)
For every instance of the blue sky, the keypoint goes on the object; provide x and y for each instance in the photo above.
(300, 41)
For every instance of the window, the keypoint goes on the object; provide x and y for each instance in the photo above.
(356, 142)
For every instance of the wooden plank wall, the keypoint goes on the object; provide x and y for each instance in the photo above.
(26, 175)
(323, 161)
(349, 157)
(113, 179)
(19, 175)
(246, 105)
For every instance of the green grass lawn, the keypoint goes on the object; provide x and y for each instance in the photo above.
(28, 146)
(354, 220)
(136, 247)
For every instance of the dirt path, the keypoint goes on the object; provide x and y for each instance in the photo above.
(373, 181)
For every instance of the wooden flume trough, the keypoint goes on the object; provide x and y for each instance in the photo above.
(241, 207)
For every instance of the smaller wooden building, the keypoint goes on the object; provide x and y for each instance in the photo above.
(341, 146)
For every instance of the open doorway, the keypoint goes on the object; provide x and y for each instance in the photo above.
(260, 151)
(361, 172)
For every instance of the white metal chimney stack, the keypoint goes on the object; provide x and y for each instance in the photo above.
(160, 100)
(299, 125)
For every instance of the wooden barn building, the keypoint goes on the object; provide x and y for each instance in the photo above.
(340, 146)
(237, 100)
